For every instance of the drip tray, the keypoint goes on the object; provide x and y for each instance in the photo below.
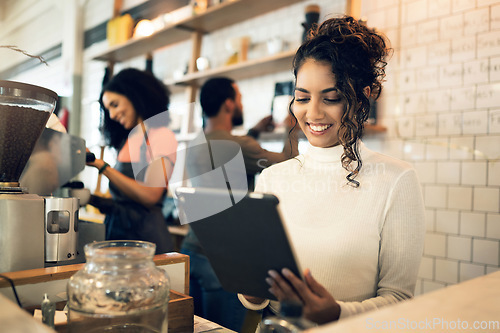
(6, 189)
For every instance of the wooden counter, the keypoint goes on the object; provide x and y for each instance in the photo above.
(32, 284)
(15, 320)
(458, 308)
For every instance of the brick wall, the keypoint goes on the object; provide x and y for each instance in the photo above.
(442, 108)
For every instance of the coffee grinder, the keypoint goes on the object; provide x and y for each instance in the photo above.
(24, 111)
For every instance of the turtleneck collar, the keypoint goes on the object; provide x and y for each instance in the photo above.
(330, 154)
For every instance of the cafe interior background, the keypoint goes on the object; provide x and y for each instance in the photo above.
(440, 109)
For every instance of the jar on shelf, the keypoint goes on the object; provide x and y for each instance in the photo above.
(119, 289)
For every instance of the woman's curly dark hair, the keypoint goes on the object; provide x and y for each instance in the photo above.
(148, 95)
(357, 56)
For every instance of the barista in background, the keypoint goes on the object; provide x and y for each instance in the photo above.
(221, 104)
(135, 212)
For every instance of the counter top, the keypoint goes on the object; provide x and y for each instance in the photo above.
(15, 320)
(470, 306)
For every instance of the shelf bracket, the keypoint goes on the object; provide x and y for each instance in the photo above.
(353, 8)
(196, 39)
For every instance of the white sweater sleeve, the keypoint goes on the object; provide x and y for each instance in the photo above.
(252, 306)
(401, 247)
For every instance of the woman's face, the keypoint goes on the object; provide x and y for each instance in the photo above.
(318, 106)
(120, 109)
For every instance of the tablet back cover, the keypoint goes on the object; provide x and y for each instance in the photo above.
(242, 242)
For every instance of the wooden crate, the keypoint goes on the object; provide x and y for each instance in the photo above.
(180, 313)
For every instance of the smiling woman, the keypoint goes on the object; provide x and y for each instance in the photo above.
(134, 107)
(355, 217)
(120, 109)
(317, 105)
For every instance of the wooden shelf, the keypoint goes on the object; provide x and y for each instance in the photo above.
(47, 274)
(216, 17)
(374, 129)
(240, 71)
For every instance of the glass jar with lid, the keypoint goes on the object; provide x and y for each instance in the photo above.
(119, 289)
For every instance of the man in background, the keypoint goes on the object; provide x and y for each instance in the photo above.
(220, 100)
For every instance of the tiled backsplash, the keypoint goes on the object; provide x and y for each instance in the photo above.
(448, 97)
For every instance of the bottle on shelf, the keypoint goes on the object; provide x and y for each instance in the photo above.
(312, 19)
(48, 311)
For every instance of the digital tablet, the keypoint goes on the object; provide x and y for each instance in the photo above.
(242, 235)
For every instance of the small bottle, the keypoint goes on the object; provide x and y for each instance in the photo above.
(48, 311)
(290, 320)
(312, 19)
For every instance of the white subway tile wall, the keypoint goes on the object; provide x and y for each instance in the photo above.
(475, 122)
(437, 149)
(426, 171)
(435, 196)
(476, 71)
(472, 224)
(463, 99)
(469, 271)
(490, 269)
(494, 122)
(493, 226)
(446, 271)
(448, 172)
(447, 72)
(476, 21)
(441, 105)
(426, 270)
(429, 286)
(474, 173)
(447, 221)
(462, 5)
(430, 220)
(495, 16)
(435, 245)
(488, 147)
(459, 198)
(494, 173)
(426, 126)
(439, 8)
(486, 199)
(461, 148)
(459, 248)
(449, 124)
(485, 251)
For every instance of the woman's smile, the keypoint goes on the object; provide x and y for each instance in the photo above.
(318, 106)
(120, 109)
(319, 129)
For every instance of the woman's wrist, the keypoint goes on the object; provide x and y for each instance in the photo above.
(103, 167)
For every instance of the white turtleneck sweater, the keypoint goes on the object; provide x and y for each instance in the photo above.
(363, 244)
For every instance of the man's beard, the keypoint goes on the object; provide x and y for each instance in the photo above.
(237, 119)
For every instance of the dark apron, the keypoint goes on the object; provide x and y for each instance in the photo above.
(129, 220)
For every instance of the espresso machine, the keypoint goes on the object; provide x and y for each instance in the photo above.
(34, 229)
